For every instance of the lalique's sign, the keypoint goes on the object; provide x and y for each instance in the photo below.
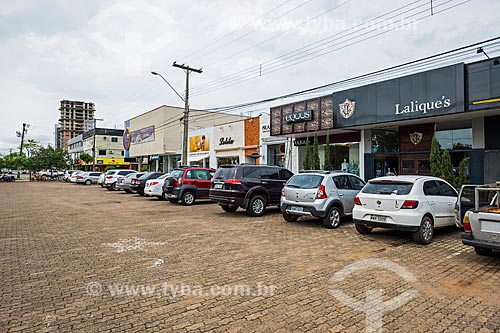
(424, 107)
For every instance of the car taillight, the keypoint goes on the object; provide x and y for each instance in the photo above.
(233, 181)
(283, 192)
(138, 182)
(109, 177)
(154, 183)
(409, 204)
(321, 194)
(466, 223)
(174, 182)
(357, 201)
(80, 177)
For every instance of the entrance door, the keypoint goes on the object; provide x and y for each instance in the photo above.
(415, 164)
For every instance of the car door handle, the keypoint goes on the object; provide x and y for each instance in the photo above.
(449, 203)
(432, 203)
(341, 195)
(264, 183)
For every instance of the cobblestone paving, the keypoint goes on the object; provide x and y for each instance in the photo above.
(70, 252)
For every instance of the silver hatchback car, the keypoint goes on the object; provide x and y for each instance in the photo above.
(326, 195)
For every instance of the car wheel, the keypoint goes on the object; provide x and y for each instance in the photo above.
(88, 182)
(363, 229)
(424, 234)
(482, 251)
(290, 217)
(174, 201)
(332, 219)
(141, 193)
(102, 185)
(113, 186)
(188, 198)
(229, 208)
(127, 191)
(256, 206)
(162, 197)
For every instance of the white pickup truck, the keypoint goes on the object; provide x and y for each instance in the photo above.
(482, 224)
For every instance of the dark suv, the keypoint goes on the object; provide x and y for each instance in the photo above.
(188, 184)
(251, 187)
(138, 183)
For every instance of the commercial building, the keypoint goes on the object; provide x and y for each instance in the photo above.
(75, 148)
(73, 115)
(154, 138)
(108, 148)
(387, 127)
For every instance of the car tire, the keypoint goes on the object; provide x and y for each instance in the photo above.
(256, 206)
(88, 182)
(290, 217)
(332, 219)
(363, 229)
(174, 201)
(102, 185)
(425, 232)
(188, 198)
(141, 193)
(481, 251)
(163, 197)
(229, 208)
(127, 191)
(113, 186)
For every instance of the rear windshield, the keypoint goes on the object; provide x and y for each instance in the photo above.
(225, 173)
(165, 175)
(177, 173)
(305, 181)
(398, 188)
(110, 172)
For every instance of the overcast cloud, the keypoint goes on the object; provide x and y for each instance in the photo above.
(103, 51)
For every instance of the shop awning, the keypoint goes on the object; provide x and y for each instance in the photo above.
(197, 158)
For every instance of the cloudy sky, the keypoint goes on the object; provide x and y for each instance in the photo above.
(103, 51)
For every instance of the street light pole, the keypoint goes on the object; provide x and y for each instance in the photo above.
(93, 145)
(185, 138)
(21, 148)
(185, 118)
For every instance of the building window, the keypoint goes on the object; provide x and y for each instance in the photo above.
(276, 155)
(114, 139)
(102, 152)
(455, 139)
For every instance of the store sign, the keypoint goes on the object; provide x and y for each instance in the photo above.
(347, 108)
(266, 128)
(154, 158)
(299, 142)
(416, 137)
(127, 138)
(297, 117)
(226, 141)
(199, 143)
(416, 106)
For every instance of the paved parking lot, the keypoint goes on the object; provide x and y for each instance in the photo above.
(80, 258)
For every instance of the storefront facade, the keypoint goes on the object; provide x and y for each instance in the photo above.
(387, 127)
(273, 149)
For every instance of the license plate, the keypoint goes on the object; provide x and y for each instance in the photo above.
(218, 185)
(296, 209)
(378, 218)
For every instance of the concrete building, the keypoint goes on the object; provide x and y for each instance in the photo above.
(108, 147)
(56, 136)
(154, 138)
(75, 148)
(73, 114)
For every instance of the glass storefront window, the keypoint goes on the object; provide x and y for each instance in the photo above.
(276, 155)
(385, 140)
(343, 156)
(455, 139)
(228, 160)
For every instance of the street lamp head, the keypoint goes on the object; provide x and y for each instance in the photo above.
(154, 73)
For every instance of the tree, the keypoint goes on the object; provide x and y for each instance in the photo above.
(30, 146)
(328, 164)
(315, 157)
(14, 161)
(435, 157)
(306, 164)
(462, 173)
(447, 167)
(48, 158)
(86, 158)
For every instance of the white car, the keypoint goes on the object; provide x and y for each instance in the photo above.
(154, 187)
(112, 176)
(74, 176)
(417, 204)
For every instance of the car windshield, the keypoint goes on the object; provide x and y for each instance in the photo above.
(305, 181)
(380, 187)
(165, 175)
(225, 172)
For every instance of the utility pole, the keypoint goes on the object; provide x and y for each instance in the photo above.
(93, 145)
(21, 148)
(185, 138)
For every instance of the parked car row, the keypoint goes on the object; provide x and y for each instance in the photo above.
(415, 204)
